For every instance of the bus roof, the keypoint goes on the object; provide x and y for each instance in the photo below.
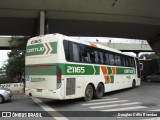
(83, 42)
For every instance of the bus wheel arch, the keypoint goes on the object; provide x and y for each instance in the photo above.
(99, 91)
(89, 92)
(133, 83)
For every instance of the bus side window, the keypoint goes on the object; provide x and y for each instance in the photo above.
(127, 62)
(117, 60)
(106, 58)
(72, 51)
(85, 57)
(85, 51)
(123, 61)
(101, 57)
(76, 53)
(66, 50)
(92, 57)
(96, 57)
(133, 62)
(111, 59)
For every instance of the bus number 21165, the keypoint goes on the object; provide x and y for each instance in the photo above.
(71, 69)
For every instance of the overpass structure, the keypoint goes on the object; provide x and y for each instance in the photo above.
(124, 47)
(137, 19)
(4, 42)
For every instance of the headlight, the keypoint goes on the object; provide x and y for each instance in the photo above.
(7, 91)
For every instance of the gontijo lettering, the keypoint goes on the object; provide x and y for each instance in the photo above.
(128, 71)
(36, 49)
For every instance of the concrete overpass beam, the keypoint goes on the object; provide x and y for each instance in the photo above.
(156, 47)
(42, 23)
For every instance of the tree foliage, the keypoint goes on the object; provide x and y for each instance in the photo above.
(16, 62)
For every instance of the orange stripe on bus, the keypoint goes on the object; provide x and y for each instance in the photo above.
(114, 70)
(93, 45)
(104, 70)
(107, 79)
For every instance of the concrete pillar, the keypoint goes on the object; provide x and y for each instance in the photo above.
(42, 23)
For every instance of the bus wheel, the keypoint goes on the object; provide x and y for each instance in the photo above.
(99, 91)
(133, 84)
(148, 80)
(88, 93)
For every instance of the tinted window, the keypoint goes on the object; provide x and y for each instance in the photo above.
(111, 59)
(87, 53)
(101, 57)
(66, 49)
(76, 52)
(117, 60)
(72, 51)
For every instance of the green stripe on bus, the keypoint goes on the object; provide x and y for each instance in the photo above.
(74, 69)
(54, 47)
(125, 71)
(111, 79)
(109, 70)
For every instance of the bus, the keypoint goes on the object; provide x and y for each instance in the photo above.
(60, 67)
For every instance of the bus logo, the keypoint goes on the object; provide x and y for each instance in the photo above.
(128, 71)
(41, 49)
(36, 49)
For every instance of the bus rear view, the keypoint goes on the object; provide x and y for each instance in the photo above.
(43, 76)
(60, 67)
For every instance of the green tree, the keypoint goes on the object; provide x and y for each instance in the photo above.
(16, 62)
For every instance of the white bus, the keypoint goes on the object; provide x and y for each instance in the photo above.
(60, 67)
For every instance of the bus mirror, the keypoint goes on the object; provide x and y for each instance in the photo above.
(141, 66)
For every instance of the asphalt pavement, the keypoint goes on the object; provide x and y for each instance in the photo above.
(127, 104)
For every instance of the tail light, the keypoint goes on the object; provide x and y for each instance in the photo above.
(59, 77)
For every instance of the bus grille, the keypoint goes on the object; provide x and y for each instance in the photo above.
(70, 88)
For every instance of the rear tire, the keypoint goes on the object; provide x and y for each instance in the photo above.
(88, 93)
(149, 80)
(99, 91)
(1, 99)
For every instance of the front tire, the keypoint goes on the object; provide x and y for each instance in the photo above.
(88, 93)
(99, 91)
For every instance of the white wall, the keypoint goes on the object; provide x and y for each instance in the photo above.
(15, 87)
